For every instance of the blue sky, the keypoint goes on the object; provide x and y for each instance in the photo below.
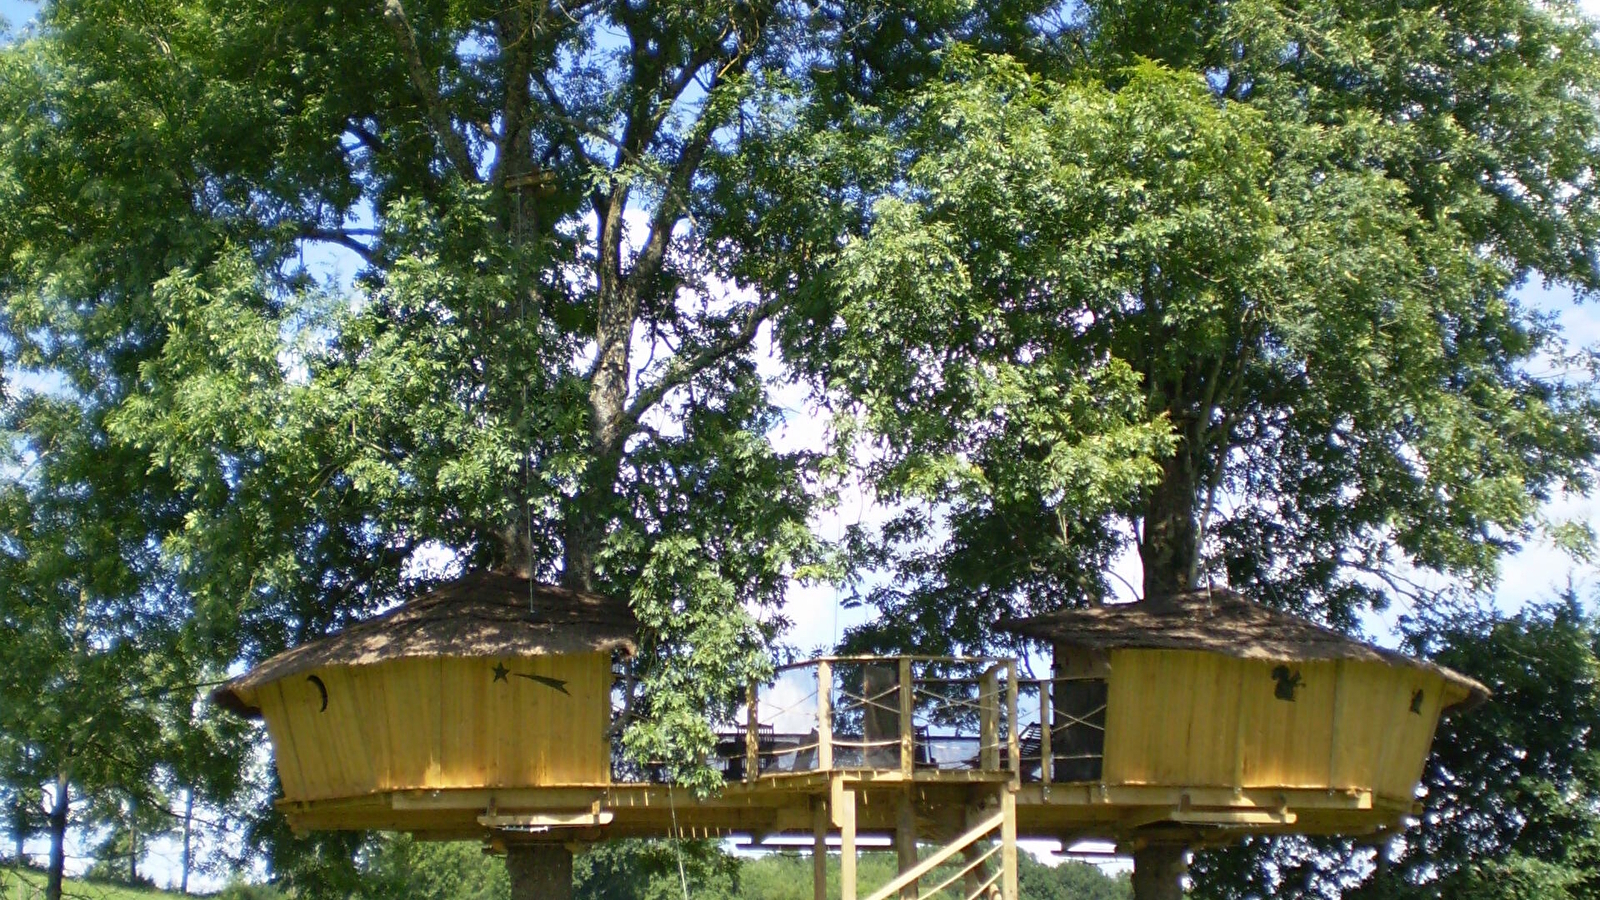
(17, 12)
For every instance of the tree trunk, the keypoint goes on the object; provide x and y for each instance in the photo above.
(1170, 542)
(58, 840)
(1168, 549)
(1158, 871)
(539, 871)
(188, 841)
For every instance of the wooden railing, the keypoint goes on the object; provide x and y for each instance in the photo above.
(910, 714)
(905, 713)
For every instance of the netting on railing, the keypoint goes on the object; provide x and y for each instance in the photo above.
(1078, 729)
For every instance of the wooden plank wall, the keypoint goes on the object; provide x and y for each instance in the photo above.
(441, 723)
(1186, 718)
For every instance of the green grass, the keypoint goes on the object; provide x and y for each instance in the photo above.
(28, 884)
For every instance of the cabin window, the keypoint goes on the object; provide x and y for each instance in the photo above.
(1078, 726)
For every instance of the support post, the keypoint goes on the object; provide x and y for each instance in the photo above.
(843, 807)
(905, 841)
(1008, 844)
(752, 734)
(819, 848)
(1013, 741)
(1158, 871)
(824, 716)
(1047, 724)
(539, 871)
(908, 709)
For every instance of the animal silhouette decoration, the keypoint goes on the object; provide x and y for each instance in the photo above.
(1287, 683)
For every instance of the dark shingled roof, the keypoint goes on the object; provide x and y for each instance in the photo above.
(482, 614)
(1217, 621)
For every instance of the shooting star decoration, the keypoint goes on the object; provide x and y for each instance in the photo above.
(500, 672)
(547, 681)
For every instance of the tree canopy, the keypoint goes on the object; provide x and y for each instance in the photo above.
(298, 299)
(1242, 299)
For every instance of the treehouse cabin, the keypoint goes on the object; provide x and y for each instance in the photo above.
(489, 708)
(487, 682)
(1211, 709)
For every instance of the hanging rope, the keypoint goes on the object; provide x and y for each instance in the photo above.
(677, 841)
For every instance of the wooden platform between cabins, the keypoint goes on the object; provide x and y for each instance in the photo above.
(784, 804)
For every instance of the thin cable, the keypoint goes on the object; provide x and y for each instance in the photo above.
(527, 464)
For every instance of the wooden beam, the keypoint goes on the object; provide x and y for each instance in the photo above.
(989, 719)
(1008, 844)
(752, 733)
(481, 798)
(548, 819)
(1232, 817)
(1013, 742)
(843, 802)
(819, 848)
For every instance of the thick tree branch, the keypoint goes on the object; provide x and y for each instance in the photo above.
(674, 199)
(682, 372)
(346, 239)
(455, 146)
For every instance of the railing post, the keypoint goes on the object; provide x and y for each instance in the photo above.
(989, 719)
(908, 751)
(1013, 740)
(1047, 724)
(752, 733)
(824, 715)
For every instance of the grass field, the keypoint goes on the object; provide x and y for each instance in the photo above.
(28, 884)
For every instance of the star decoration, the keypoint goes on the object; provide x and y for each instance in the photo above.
(500, 671)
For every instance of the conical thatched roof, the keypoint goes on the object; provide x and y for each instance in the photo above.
(482, 614)
(1217, 621)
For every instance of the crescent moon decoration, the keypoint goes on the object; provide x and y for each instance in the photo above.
(556, 683)
(321, 689)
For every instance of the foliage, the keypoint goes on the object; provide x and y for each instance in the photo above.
(1511, 790)
(402, 867)
(1069, 881)
(649, 870)
(537, 364)
(1278, 256)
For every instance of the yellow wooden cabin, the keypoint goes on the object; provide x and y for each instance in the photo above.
(487, 682)
(1212, 697)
